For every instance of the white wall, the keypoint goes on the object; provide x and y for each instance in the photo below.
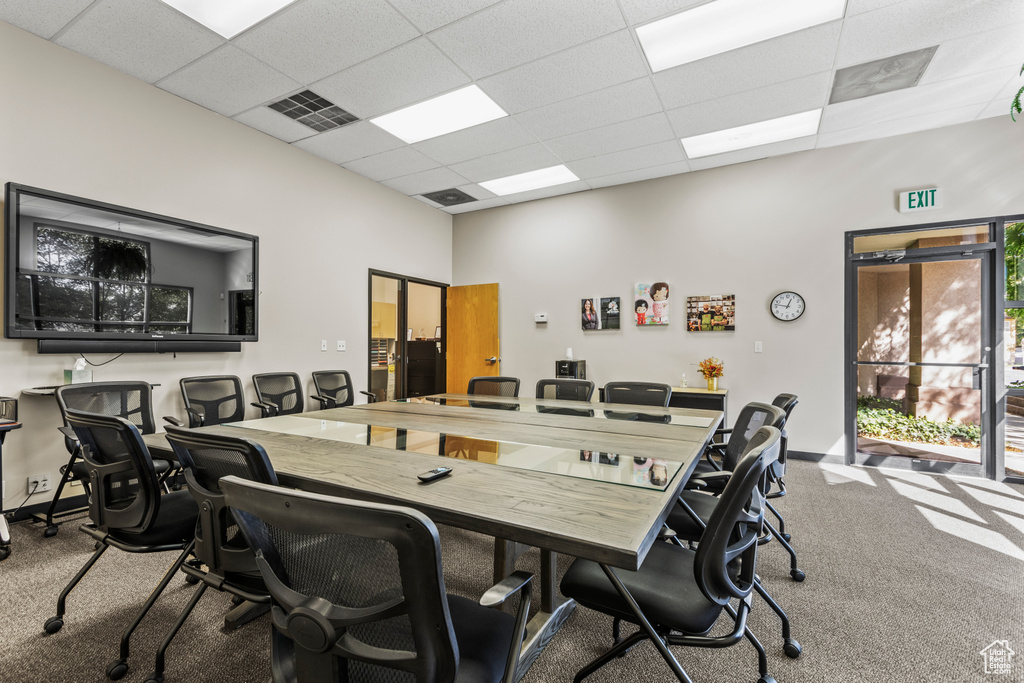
(752, 230)
(72, 125)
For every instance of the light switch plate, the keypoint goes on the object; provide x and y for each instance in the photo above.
(341, 345)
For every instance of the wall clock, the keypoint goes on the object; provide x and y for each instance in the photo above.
(787, 306)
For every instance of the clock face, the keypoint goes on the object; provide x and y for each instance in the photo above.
(787, 306)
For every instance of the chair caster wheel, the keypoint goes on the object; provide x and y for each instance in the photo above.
(798, 575)
(50, 531)
(787, 538)
(792, 648)
(53, 624)
(155, 678)
(191, 580)
(5, 552)
(117, 669)
(767, 678)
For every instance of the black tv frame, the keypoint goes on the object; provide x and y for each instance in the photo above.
(50, 341)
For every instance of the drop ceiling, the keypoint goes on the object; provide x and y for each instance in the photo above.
(570, 74)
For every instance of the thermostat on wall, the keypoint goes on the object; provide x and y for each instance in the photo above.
(540, 318)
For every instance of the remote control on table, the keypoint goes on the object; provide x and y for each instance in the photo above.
(435, 473)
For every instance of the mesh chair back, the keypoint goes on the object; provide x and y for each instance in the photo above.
(565, 389)
(786, 402)
(206, 459)
(494, 386)
(131, 400)
(334, 385)
(217, 398)
(725, 563)
(638, 393)
(283, 389)
(349, 579)
(125, 492)
(752, 417)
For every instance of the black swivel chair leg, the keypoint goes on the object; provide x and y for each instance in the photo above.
(244, 612)
(119, 667)
(782, 522)
(65, 477)
(158, 674)
(55, 623)
(762, 658)
(617, 651)
(790, 646)
(794, 570)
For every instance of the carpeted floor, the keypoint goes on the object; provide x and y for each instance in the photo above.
(909, 578)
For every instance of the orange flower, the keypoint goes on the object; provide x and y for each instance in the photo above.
(711, 367)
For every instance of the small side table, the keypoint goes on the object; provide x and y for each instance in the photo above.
(701, 399)
(5, 532)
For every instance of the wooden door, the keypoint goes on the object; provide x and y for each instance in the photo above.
(472, 335)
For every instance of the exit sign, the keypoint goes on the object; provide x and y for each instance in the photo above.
(920, 200)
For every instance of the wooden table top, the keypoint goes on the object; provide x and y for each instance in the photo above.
(610, 523)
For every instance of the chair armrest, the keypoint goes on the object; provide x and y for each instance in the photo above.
(267, 408)
(195, 418)
(502, 591)
(370, 398)
(516, 582)
(325, 402)
(174, 421)
(723, 430)
(711, 481)
(68, 432)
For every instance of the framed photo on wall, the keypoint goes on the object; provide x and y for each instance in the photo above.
(609, 313)
(650, 303)
(711, 313)
(590, 320)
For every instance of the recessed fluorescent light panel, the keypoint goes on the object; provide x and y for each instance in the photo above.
(881, 75)
(228, 17)
(725, 25)
(445, 114)
(752, 135)
(531, 180)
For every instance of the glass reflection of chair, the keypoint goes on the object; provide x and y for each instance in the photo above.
(278, 393)
(212, 400)
(359, 593)
(334, 389)
(638, 393)
(565, 389)
(494, 386)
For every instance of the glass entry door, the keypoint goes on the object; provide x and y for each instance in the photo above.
(921, 354)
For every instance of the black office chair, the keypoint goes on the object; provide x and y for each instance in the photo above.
(565, 389)
(494, 386)
(678, 594)
(638, 393)
(130, 400)
(787, 402)
(230, 562)
(334, 389)
(359, 594)
(212, 400)
(127, 510)
(278, 393)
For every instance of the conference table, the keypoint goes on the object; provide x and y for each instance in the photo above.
(591, 480)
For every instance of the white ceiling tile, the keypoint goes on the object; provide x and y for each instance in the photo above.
(916, 24)
(860, 6)
(351, 142)
(143, 38)
(628, 160)
(593, 66)
(391, 164)
(761, 104)
(405, 75)
(315, 38)
(474, 190)
(275, 124)
(902, 126)
(477, 141)
(228, 81)
(427, 16)
(622, 102)
(1000, 104)
(641, 174)
(790, 56)
(977, 53)
(475, 206)
(618, 136)
(514, 32)
(952, 94)
(544, 192)
(740, 156)
(643, 11)
(509, 162)
(27, 15)
(427, 181)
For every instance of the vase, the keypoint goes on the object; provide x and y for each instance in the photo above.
(712, 383)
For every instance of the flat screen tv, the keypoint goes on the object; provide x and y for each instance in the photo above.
(84, 275)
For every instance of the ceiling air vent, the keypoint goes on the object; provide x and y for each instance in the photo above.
(449, 197)
(881, 75)
(313, 111)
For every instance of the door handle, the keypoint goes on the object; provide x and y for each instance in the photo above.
(492, 359)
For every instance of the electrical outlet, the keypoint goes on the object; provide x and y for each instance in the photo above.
(38, 483)
(323, 344)
(341, 345)
(757, 347)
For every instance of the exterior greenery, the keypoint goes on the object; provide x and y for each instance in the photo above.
(881, 419)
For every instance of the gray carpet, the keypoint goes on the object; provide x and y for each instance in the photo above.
(910, 577)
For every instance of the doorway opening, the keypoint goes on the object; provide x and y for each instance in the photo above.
(407, 340)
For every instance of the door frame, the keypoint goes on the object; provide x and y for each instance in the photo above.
(992, 405)
(401, 355)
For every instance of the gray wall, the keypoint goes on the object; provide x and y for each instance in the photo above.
(753, 230)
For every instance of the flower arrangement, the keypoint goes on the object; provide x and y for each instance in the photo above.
(711, 368)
